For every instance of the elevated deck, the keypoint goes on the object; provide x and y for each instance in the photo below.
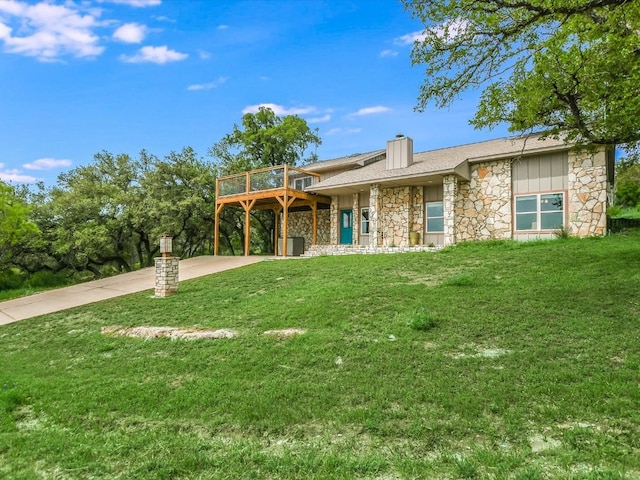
(280, 188)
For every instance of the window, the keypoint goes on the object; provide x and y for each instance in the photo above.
(544, 211)
(435, 217)
(364, 221)
(301, 183)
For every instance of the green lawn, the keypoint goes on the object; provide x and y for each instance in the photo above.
(495, 360)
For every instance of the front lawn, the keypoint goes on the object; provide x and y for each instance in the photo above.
(494, 360)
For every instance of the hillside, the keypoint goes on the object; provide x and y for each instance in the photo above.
(495, 360)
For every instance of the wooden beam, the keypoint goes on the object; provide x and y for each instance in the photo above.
(275, 234)
(285, 223)
(247, 205)
(216, 237)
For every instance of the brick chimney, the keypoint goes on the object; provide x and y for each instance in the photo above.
(399, 152)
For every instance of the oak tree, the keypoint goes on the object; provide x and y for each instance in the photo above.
(563, 67)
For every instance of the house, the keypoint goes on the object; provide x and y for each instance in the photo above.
(520, 187)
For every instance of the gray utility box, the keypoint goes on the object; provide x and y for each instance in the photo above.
(295, 246)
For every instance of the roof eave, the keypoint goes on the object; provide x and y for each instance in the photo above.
(522, 153)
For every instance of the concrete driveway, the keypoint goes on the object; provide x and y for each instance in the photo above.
(116, 286)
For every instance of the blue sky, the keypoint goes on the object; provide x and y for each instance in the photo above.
(81, 76)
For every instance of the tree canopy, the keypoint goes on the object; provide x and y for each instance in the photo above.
(264, 140)
(16, 228)
(109, 214)
(563, 67)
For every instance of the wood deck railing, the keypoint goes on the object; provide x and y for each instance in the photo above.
(270, 178)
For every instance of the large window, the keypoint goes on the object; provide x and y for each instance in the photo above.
(364, 221)
(543, 211)
(435, 217)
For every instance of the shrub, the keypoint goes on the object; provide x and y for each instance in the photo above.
(614, 211)
(46, 279)
(562, 233)
(422, 320)
(11, 280)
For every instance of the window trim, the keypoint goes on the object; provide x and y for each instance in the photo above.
(303, 180)
(363, 223)
(426, 217)
(539, 211)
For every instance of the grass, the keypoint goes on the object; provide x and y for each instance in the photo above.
(530, 371)
(624, 212)
(14, 284)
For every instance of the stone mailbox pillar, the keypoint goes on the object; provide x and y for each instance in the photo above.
(167, 270)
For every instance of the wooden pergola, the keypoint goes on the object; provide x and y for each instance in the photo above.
(271, 188)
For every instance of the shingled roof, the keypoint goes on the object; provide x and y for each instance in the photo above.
(431, 164)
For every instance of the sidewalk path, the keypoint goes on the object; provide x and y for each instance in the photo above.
(89, 292)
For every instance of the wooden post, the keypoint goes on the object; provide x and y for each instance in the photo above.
(247, 231)
(285, 223)
(276, 232)
(247, 205)
(216, 237)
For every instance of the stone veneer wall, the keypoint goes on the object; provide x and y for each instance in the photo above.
(483, 204)
(587, 190)
(393, 217)
(301, 225)
(416, 210)
(166, 275)
(355, 218)
(449, 196)
(375, 234)
(333, 221)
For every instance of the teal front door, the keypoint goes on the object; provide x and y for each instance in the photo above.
(346, 227)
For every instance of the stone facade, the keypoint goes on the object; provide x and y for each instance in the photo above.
(375, 232)
(167, 272)
(393, 217)
(449, 197)
(416, 210)
(301, 225)
(333, 221)
(478, 209)
(587, 191)
(483, 204)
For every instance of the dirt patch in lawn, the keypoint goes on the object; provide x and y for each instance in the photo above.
(285, 333)
(173, 333)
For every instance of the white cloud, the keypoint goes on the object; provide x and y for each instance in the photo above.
(370, 111)
(388, 53)
(15, 176)
(279, 109)
(204, 55)
(130, 33)
(341, 131)
(446, 31)
(410, 38)
(451, 29)
(47, 164)
(159, 55)
(136, 3)
(47, 31)
(323, 119)
(223, 27)
(207, 86)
